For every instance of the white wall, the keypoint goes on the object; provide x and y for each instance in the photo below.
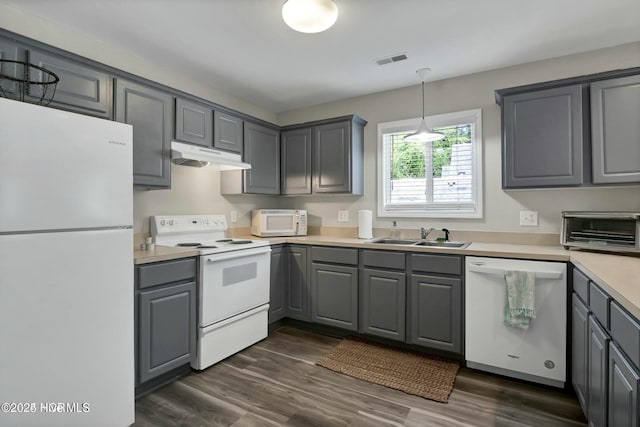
(501, 209)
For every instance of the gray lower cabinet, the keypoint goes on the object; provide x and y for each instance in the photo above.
(262, 151)
(580, 350)
(334, 295)
(296, 283)
(295, 155)
(338, 151)
(598, 380)
(542, 138)
(382, 303)
(194, 123)
(150, 111)
(615, 130)
(81, 88)
(624, 382)
(165, 317)
(278, 283)
(435, 313)
(227, 132)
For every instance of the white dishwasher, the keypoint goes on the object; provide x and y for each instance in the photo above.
(537, 354)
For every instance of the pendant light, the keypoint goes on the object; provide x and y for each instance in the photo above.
(309, 16)
(423, 134)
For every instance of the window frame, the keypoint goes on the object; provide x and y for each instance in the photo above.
(435, 210)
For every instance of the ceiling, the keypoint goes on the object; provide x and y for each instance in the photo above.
(243, 48)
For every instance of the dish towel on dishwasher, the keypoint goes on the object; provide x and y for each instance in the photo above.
(519, 298)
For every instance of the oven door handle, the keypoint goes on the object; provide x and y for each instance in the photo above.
(242, 253)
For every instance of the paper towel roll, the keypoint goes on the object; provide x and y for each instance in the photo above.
(365, 224)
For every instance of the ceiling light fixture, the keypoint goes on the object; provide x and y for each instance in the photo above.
(423, 134)
(309, 16)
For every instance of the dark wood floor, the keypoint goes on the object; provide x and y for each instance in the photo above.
(276, 382)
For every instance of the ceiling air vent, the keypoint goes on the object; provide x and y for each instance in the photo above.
(390, 59)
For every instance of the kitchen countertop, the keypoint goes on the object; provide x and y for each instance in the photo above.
(618, 275)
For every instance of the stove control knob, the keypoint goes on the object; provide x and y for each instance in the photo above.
(170, 222)
(162, 222)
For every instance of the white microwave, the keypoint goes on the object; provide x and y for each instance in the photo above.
(278, 222)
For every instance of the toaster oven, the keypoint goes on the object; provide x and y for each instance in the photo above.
(601, 231)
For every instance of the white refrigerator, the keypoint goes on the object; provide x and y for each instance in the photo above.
(66, 269)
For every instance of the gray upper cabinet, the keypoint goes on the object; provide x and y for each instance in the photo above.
(81, 88)
(150, 111)
(295, 154)
(11, 52)
(262, 151)
(615, 128)
(542, 141)
(338, 150)
(194, 123)
(227, 132)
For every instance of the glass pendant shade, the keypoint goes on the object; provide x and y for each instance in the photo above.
(310, 16)
(423, 134)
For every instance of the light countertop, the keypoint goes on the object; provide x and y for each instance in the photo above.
(618, 275)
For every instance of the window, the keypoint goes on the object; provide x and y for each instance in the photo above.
(441, 179)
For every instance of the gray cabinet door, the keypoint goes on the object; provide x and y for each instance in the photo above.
(615, 130)
(167, 329)
(150, 111)
(227, 132)
(9, 50)
(334, 295)
(194, 123)
(382, 303)
(262, 151)
(297, 292)
(295, 154)
(81, 88)
(436, 312)
(542, 138)
(580, 351)
(332, 158)
(277, 284)
(623, 390)
(598, 373)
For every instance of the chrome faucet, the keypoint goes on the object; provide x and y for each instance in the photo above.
(425, 232)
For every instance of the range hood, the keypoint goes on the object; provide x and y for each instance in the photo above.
(192, 155)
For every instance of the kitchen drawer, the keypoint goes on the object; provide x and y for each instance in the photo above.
(166, 272)
(599, 304)
(334, 255)
(383, 259)
(581, 285)
(625, 330)
(436, 263)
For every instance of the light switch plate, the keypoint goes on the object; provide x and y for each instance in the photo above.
(343, 216)
(529, 218)
(233, 216)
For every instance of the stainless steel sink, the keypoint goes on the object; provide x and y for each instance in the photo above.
(448, 244)
(389, 241)
(417, 242)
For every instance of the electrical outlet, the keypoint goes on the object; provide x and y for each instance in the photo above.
(343, 216)
(529, 218)
(234, 216)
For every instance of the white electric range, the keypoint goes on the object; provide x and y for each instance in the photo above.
(233, 283)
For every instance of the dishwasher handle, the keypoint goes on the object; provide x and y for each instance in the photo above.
(481, 268)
